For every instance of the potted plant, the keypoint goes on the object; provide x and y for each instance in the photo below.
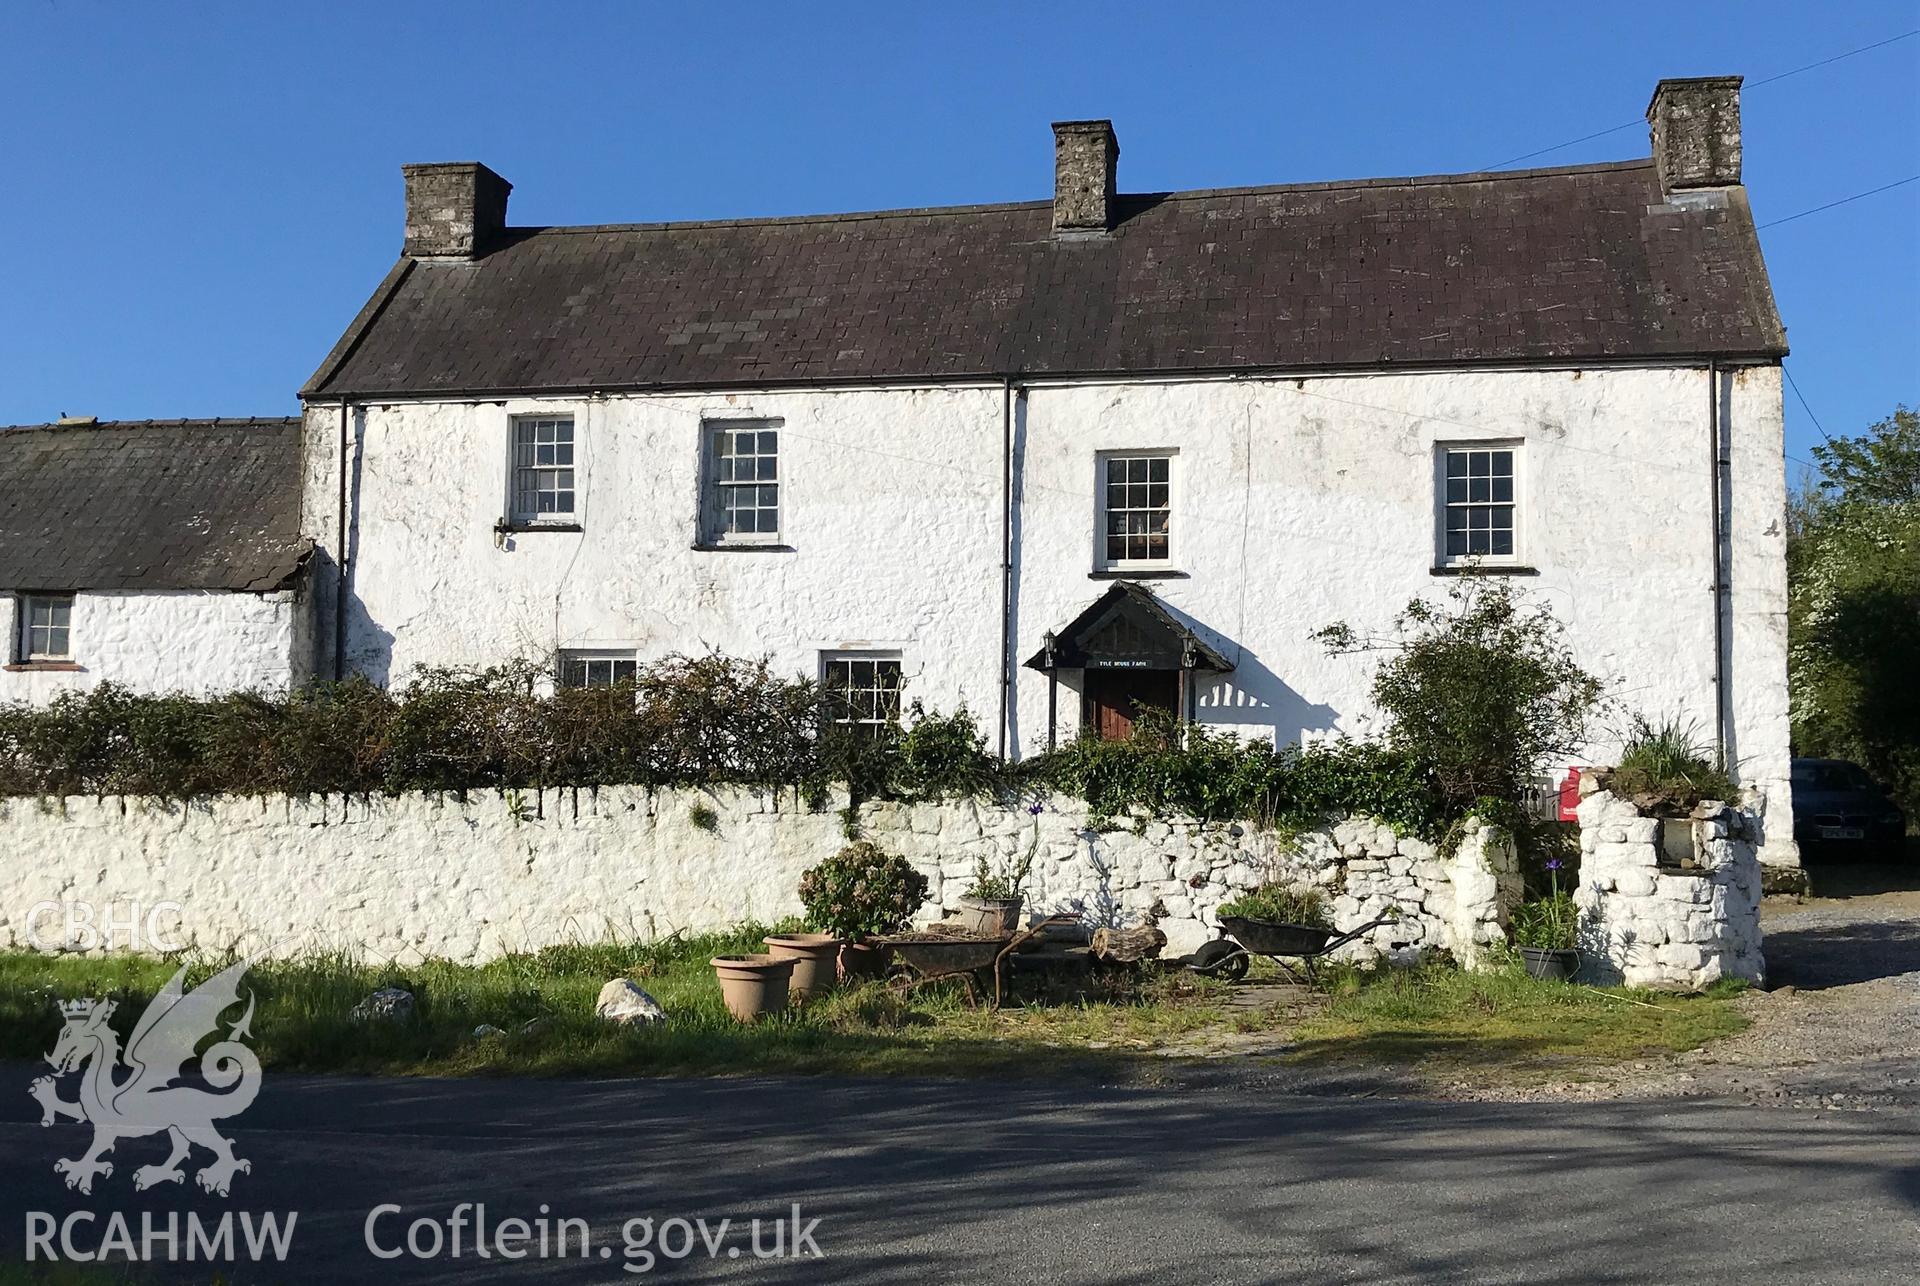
(992, 903)
(815, 956)
(1544, 931)
(860, 893)
(753, 985)
(1279, 919)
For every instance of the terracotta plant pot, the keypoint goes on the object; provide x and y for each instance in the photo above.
(989, 917)
(1550, 965)
(816, 960)
(860, 961)
(753, 986)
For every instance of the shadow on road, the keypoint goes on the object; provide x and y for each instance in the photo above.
(993, 1183)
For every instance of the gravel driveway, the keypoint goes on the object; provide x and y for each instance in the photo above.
(1840, 1025)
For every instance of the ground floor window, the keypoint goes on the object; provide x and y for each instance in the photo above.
(596, 669)
(862, 689)
(46, 627)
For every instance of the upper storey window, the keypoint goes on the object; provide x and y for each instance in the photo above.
(742, 492)
(1136, 510)
(1479, 502)
(543, 468)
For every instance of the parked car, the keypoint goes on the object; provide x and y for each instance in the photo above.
(1838, 809)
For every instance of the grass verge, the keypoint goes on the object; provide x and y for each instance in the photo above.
(1500, 1024)
(1474, 1025)
(303, 1022)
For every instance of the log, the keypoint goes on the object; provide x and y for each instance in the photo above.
(1125, 946)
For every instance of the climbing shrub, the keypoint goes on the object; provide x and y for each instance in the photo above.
(1164, 768)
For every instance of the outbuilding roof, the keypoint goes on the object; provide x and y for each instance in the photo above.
(150, 505)
(1569, 264)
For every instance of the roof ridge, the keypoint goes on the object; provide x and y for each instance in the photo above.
(218, 421)
(1184, 194)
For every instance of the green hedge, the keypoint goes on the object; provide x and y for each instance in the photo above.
(681, 722)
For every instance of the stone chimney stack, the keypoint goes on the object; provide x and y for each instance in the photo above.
(455, 209)
(1696, 132)
(1084, 153)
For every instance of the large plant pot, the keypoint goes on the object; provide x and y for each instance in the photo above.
(753, 986)
(988, 917)
(816, 960)
(1550, 965)
(863, 961)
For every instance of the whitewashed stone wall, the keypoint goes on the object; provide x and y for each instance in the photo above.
(432, 875)
(202, 643)
(1456, 902)
(1648, 921)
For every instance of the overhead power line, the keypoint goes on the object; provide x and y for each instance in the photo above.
(1794, 384)
(1615, 129)
(1846, 200)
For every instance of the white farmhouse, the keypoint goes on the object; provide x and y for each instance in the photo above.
(1063, 460)
(162, 555)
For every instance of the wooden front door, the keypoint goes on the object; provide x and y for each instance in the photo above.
(1115, 698)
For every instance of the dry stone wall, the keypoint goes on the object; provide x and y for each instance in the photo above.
(473, 878)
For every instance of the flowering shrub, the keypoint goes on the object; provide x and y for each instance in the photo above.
(862, 892)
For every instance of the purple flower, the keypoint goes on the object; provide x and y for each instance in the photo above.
(1555, 864)
(1035, 808)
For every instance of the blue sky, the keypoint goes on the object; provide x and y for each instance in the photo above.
(199, 196)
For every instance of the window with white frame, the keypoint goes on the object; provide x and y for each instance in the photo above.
(596, 669)
(543, 468)
(1479, 503)
(862, 689)
(742, 495)
(46, 627)
(1136, 509)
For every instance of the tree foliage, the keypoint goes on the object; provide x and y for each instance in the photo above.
(1853, 562)
(1482, 688)
(1881, 466)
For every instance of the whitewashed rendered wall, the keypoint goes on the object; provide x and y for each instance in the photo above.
(1756, 608)
(1297, 503)
(199, 643)
(892, 536)
(432, 875)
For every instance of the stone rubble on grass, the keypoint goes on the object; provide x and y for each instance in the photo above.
(387, 1005)
(623, 1003)
(485, 1030)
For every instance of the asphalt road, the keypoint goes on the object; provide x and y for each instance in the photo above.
(988, 1183)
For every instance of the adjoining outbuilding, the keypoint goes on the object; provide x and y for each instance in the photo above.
(162, 555)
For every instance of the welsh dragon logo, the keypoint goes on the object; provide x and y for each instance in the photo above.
(146, 1100)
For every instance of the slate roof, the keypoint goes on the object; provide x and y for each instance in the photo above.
(150, 505)
(1581, 262)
